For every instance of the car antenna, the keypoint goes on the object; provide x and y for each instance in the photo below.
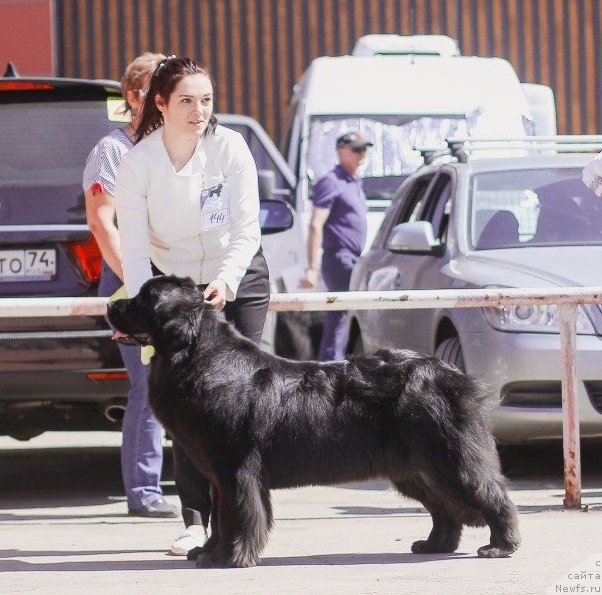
(11, 71)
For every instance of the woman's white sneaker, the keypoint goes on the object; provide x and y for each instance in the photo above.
(193, 536)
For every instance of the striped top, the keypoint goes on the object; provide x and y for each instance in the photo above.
(104, 159)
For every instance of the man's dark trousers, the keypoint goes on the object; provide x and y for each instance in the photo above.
(336, 274)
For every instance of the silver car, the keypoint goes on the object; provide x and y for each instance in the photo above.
(501, 222)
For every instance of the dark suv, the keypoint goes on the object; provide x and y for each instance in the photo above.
(65, 373)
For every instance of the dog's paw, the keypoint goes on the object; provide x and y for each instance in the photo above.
(209, 560)
(209, 546)
(426, 547)
(194, 552)
(492, 551)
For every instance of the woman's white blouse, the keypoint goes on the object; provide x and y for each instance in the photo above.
(200, 222)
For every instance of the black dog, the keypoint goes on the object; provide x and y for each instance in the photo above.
(252, 421)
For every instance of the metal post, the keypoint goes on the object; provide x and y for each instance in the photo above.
(567, 316)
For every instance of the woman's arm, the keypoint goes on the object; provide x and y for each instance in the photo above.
(132, 219)
(100, 214)
(245, 231)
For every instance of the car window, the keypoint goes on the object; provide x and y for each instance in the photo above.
(65, 131)
(437, 205)
(411, 203)
(264, 161)
(539, 207)
(414, 201)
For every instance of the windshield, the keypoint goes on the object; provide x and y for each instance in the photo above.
(49, 141)
(541, 207)
(392, 158)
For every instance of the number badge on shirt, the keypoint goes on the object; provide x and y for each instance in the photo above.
(215, 206)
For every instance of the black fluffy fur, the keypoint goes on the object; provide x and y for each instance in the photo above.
(252, 421)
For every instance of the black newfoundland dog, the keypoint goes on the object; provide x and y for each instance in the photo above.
(252, 421)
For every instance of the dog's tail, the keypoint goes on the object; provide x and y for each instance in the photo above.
(438, 387)
(412, 380)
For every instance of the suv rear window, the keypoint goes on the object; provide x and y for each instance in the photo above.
(47, 139)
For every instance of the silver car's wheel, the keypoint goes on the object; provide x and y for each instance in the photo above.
(450, 351)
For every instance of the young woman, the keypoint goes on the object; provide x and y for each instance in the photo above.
(188, 204)
(141, 451)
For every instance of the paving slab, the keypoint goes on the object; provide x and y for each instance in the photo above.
(63, 528)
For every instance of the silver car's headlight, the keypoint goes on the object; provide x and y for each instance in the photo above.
(533, 319)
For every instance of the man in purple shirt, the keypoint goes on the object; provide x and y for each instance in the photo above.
(338, 226)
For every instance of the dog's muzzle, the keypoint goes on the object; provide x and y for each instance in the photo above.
(141, 339)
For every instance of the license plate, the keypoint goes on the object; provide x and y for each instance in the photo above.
(30, 264)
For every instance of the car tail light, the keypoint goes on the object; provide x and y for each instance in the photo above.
(20, 86)
(95, 376)
(88, 258)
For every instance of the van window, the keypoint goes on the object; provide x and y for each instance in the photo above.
(394, 139)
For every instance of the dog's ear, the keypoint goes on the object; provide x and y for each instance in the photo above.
(169, 295)
(176, 304)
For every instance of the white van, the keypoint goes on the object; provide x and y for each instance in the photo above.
(403, 92)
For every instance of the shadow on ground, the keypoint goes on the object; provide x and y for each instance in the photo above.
(9, 563)
(67, 476)
(31, 478)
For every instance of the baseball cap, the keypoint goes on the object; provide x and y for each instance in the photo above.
(354, 140)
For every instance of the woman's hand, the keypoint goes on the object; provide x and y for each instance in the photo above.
(215, 293)
(310, 280)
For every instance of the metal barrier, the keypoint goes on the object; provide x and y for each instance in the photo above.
(567, 300)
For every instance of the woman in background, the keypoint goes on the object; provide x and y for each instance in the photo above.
(141, 450)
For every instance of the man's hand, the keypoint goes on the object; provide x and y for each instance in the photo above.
(311, 279)
(215, 293)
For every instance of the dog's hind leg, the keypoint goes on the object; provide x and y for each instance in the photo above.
(500, 514)
(479, 485)
(446, 532)
(474, 492)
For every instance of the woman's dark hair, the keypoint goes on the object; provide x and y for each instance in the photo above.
(166, 76)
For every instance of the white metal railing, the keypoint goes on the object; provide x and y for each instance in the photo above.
(567, 299)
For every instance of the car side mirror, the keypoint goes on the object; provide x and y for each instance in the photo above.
(266, 179)
(413, 236)
(275, 216)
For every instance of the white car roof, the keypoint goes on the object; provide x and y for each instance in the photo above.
(388, 43)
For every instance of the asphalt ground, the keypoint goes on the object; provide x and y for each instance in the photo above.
(64, 528)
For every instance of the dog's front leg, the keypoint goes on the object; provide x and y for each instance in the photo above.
(244, 518)
(254, 512)
(213, 540)
(219, 552)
